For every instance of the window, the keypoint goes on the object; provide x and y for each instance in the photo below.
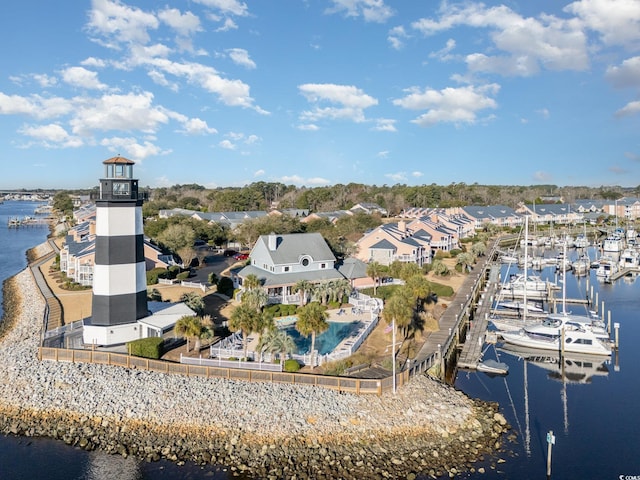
(286, 269)
(323, 265)
(305, 262)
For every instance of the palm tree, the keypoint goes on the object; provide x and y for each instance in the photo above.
(340, 288)
(277, 341)
(465, 260)
(206, 331)
(374, 271)
(419, 287)
(312, 319)
(187, 327)
(479, 249)
(304, 287)
(439, 268)
(193, 301)
(255, 298)
(251, 282)
(321, 292)
(244, 318)
(398, 311)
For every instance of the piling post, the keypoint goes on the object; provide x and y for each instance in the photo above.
(609, 322)
(602, 311)
(551, 440)
(616, 327)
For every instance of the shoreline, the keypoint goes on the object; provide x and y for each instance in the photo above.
(258, 428)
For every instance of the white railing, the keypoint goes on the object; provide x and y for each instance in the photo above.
(166, 281)
(219, 362)
(70, 327)
(201, 286)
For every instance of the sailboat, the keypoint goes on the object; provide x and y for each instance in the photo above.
(562, 332)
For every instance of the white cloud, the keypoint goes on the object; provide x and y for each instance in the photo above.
(51, 135)
(301, 181)
(450, 105)
(227, 145)
(240, 56)
(617, 21)
(383, 154)
(119, 23)
(259, 173)
(132, 148)
(196, 126)
(625, 75)
(397, 177)
(185, 24)
(444, 54)
(351, 102)
(396, 37)
(385, 125)
(83, 78)
(93, 62)
(631, 108)
(417, 174)
(370, 10)
(309, 127)
(544, 113)
(35, 106)
(529, 44)
(226, 7)
(45, 81)
(118, 112)
(228, 24)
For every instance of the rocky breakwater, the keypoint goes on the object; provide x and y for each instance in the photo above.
(263, 430)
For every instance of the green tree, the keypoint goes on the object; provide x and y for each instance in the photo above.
(419, 287)
(256, 298)
(277, 341)
(465, 260)
(188, 327)
(398, 310)
(439, 268)
(63, 203)
(312, 320)
(177, 236)
(303, 287)
(375, 270)
(479, 249)
(246, 319)
(193, 301)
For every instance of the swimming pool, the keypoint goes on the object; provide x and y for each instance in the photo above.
(327, 341)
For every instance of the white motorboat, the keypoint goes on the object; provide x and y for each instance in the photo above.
(581, 265)
(607, 266)
(520, 306)
(559, 333)
(534, 286)
(630, 258)
(613, 243)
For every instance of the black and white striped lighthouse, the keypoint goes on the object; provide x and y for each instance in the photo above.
(119, 278)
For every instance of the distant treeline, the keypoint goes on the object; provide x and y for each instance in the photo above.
(265, 195)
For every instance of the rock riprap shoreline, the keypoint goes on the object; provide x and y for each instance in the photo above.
(264, 430)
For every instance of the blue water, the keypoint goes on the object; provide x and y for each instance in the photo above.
(327, 341)
(594, 417)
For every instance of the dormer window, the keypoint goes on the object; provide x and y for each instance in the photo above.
(305, 260)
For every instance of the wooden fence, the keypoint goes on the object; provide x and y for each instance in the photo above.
(359, 386)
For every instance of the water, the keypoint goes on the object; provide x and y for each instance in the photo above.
(327, 341)
(596, 423)
(592, 409)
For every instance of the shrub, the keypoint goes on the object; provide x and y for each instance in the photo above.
(153, 275)
(146, 347)
(291, 365)
(333, 305)
(455, 252)
(183, 275)
(225, 286)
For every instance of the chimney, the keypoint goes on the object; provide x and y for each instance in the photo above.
(272, 242)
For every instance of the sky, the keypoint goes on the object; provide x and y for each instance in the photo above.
(321, 92)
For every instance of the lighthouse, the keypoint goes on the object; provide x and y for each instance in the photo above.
(119, 297)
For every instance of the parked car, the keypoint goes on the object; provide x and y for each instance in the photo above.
(241, 256)
(230, 253)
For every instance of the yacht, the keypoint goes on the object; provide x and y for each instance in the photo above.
(630, 258)
(607, 266)
(560, 333)
(613, 243)
(534, 286)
